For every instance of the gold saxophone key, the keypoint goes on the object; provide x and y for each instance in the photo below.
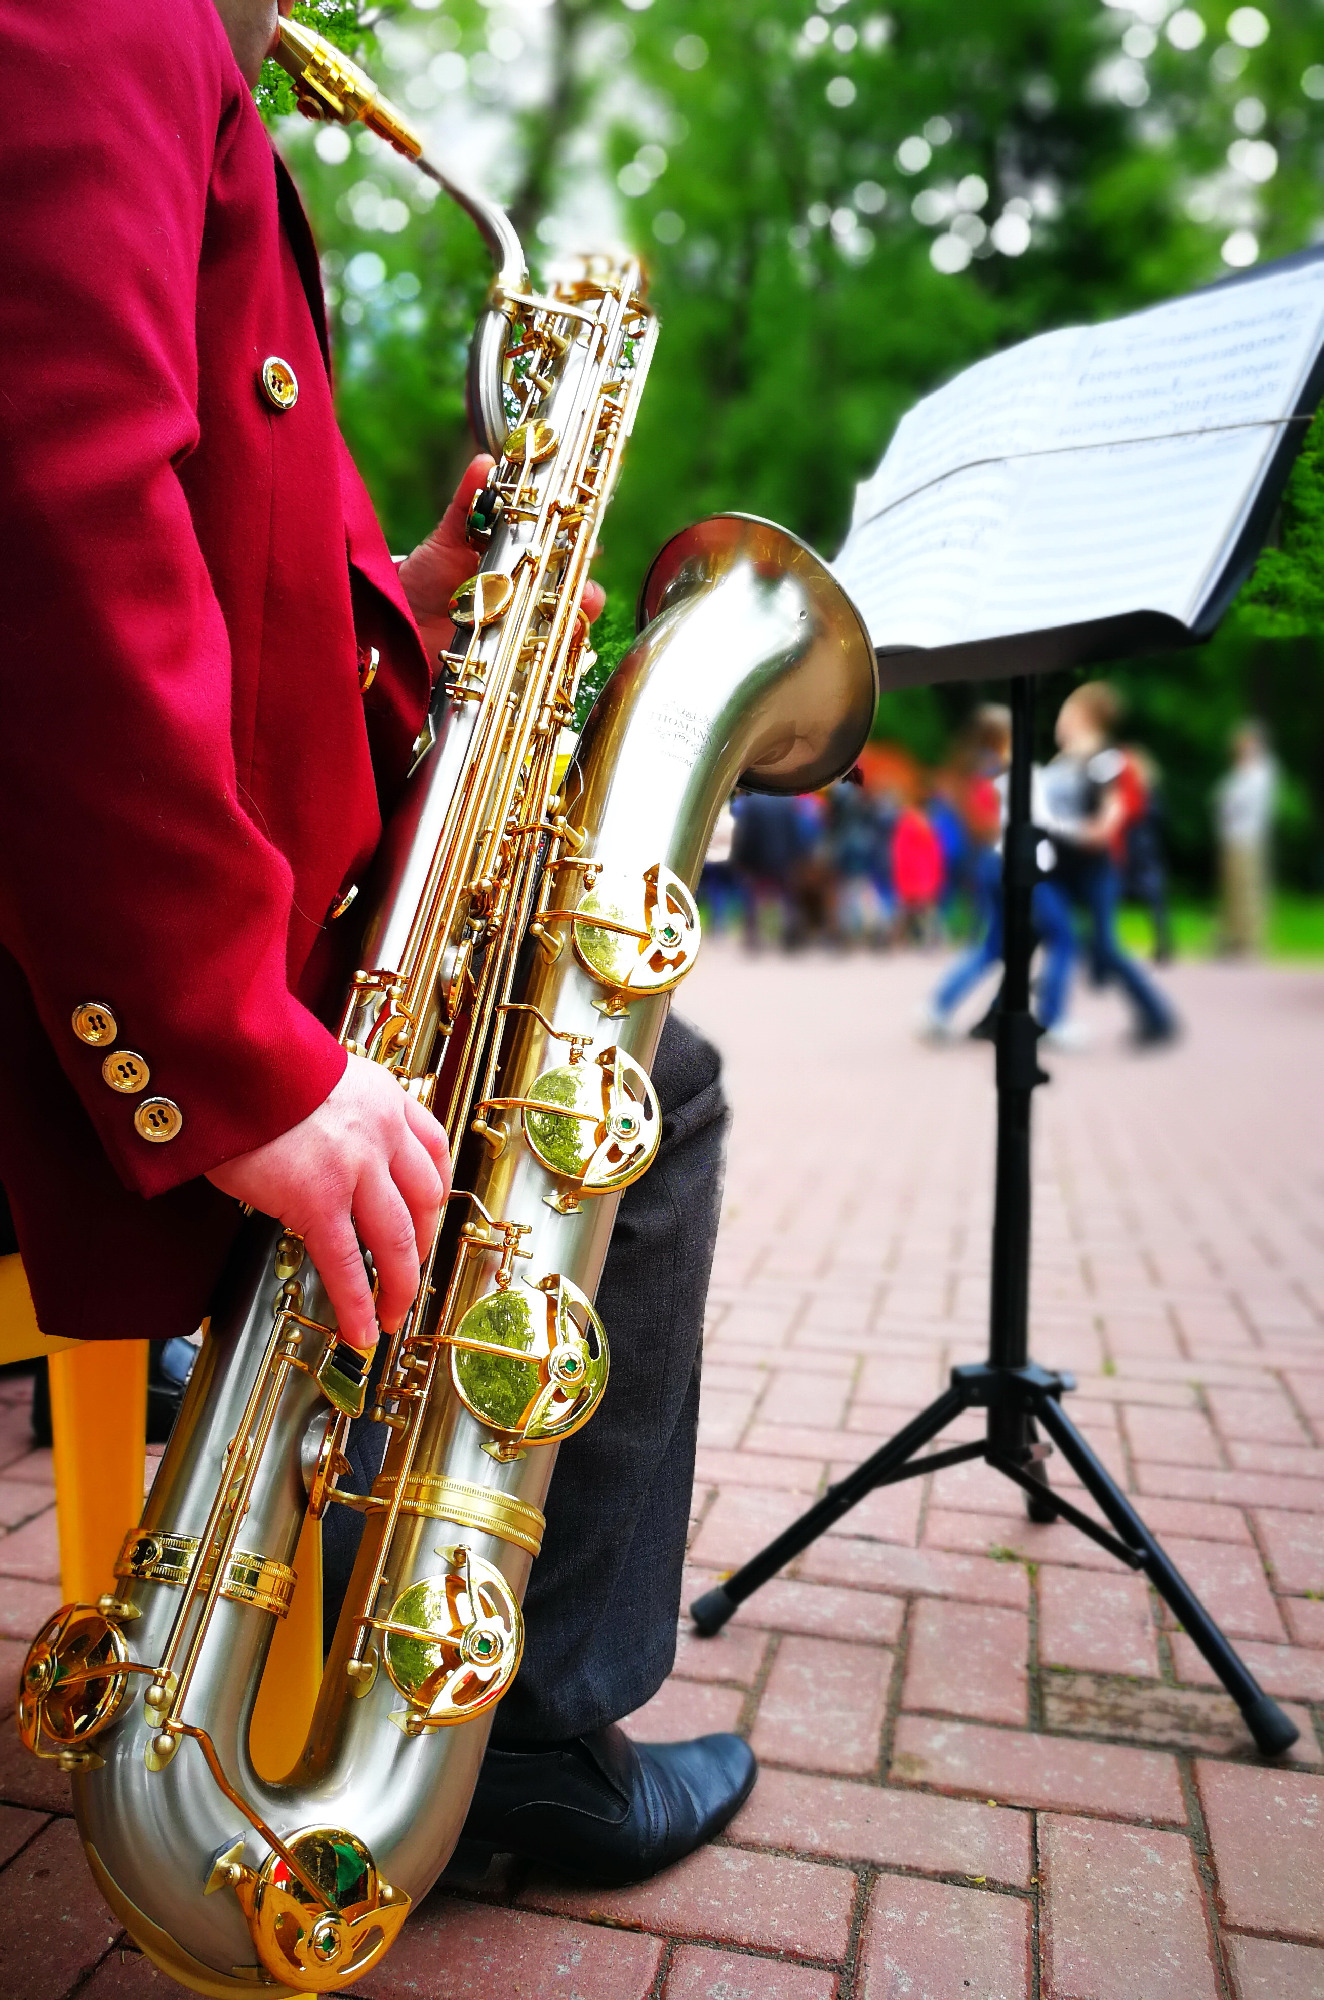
(95, 1024)
(158, 1119)
(126, 1071)
(280, 384)
(482, 600)
(530, 444)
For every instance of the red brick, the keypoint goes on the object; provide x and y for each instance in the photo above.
(1013, 1534)
(756, 1468)
(929, 1941)
(452, 1950)
(804, 1395)
(1265, 1969)
(822, 1708)
(1197, 1520)
(1173, 1437)
(17, 1828)
(125, 1975)
(681, 1709)
(723, 1415)
(1101, 1623)
(1295, 1547)
(889, 1515)
(1123, 1914)
(32, 1551)
(53, 1925)
(908, 1382)
(741, 1521)
(1290, 1671)
(784, 1605)
(801, 1441)
(734, 1654)
(26, 1780)
(700, 1973)
(892, 1829)
(929, 1572)
(729, 1896)
(1018, 1768)
(16, 1429)
(20, 1499)
(25, 1607)
(1266, 1828)
(968, 1659)
(1231, 1584)
(1232, 1489)
(1305, 1616)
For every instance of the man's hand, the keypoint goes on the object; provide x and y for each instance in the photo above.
(445, 560)
(368, 1159)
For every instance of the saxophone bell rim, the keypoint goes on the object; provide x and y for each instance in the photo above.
(840, 659)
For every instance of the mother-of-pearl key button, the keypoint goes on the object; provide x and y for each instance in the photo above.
(158, 1119)
(94, 1024)
(125, 1070)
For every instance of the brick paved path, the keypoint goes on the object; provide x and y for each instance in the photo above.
(991, 1769)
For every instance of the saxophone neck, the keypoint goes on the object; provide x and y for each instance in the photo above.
(329, 87)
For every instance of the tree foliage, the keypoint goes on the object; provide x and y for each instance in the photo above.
(842, 206)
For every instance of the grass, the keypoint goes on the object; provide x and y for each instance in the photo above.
(1296, 928)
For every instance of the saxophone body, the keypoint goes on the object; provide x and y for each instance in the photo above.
(530, 920)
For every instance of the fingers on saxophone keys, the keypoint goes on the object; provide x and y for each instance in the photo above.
(334, 1249)
(387, 1229)
(424, 1188)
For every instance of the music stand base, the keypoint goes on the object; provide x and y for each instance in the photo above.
(1021, 1398)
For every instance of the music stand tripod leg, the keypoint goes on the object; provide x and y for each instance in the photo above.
(1017, 1395)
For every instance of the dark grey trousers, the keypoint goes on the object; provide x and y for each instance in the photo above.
(601, 1607)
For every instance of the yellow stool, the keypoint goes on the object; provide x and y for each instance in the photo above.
(99, 1428)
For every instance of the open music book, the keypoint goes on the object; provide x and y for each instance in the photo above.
(1091, 493)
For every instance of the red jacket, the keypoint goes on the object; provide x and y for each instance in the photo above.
(189, 775)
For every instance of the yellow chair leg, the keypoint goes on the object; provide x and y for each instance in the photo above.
(99, 1423)
(293, 1673)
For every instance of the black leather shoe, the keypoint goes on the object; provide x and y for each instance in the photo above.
(603, 1809)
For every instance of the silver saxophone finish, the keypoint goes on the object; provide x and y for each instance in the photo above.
(752, 667)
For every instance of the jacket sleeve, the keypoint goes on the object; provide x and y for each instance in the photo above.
(130, 874)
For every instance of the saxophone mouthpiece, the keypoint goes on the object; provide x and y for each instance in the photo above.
(329, 86)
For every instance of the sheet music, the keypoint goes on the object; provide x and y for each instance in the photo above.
(1085, 474)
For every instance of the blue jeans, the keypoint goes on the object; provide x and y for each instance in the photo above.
(1096, 888)
(1051, 916)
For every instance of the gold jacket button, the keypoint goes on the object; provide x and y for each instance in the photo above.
(124, 1070)
(95, 1024)
(158, 1119)
(280, 384)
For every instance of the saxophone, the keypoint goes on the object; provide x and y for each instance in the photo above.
(531, 918)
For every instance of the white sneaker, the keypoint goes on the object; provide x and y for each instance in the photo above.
(1070, 1036)
(932, 1026)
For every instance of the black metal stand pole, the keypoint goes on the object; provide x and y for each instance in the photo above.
(1020, 1397)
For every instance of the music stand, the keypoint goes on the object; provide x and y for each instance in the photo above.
(1020, 1397)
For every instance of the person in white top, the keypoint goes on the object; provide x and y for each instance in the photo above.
(1244, 803)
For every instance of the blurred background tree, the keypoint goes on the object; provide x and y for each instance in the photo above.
(841, 205)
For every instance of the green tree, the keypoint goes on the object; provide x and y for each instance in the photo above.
(842, 206)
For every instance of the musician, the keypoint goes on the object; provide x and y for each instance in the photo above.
(211, 678)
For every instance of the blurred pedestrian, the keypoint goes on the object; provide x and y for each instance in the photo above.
(721, 891)
(1083, 808)
(917, 875)
(1244, 803)
(766, 847)
(986, 805)
(860, 914)
(1143, 856)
